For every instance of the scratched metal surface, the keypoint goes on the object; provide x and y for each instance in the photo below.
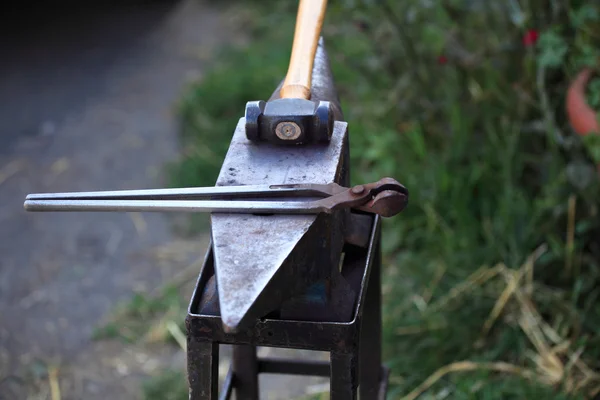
(261, 261)
(250, 250)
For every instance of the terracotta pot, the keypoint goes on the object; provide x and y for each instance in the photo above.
(582, 117)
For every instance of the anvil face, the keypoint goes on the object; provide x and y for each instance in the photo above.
(263, 260)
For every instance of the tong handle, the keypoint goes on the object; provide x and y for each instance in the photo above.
(309, 21)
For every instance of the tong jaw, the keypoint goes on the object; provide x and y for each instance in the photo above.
(386, 197)
(389, 198)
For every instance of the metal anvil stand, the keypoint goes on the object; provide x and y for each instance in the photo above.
(290, 281)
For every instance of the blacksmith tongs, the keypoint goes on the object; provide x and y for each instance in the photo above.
(386, 197)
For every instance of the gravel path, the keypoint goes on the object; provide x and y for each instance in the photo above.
(87, 104)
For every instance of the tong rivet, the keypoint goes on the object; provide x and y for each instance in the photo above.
(358, 189)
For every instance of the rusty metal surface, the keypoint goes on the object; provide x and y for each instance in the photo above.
(293, 367)
(203, 368)
(309, 335)
(344, 376)
(386, 197)
(371, 373)
(349, 343)
(245, 371)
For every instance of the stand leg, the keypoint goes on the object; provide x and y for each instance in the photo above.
(203, 370)
(245, 372)
(370, 342)
(344, 380)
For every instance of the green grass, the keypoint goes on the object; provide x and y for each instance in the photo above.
(496, 178)
(144, 317)
(168, 385)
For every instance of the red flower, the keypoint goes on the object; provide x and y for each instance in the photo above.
(442, 60)
(530, 37)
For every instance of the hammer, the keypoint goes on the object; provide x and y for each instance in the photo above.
(294, 118)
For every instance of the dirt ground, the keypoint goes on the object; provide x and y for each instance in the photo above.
(88, 103)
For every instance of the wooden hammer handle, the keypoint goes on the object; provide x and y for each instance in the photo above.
(306, 37)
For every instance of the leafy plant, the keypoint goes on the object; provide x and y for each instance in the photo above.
(492, 272)
(594, 93)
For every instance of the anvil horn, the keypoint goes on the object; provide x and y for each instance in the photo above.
(263, 260)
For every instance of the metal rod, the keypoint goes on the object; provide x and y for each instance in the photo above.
(294, 367)
(203, 369)
(344, 379)
(209, 206)
(245, 372)
(370, 372)
(193, 193)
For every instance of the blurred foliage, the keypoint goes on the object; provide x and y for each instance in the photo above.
(169, 385)
(492, 272)
(145, 317)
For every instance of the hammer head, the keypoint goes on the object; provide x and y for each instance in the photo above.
(289, 121)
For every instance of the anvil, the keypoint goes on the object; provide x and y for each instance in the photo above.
(263, 260)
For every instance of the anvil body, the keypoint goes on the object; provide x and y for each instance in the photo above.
(263, 260)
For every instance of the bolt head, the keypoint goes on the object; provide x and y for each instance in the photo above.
(288, 130)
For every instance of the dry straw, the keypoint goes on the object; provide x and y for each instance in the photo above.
(555, 362)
